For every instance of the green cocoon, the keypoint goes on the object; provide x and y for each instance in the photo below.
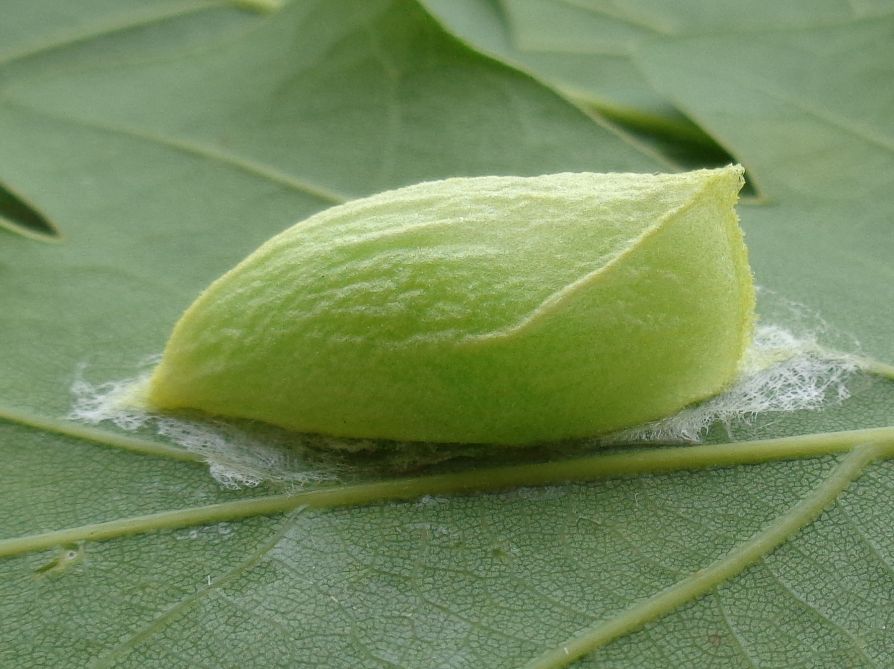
(491, 310)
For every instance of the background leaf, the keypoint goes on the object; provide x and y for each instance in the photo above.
(586, 50)
(168, 139)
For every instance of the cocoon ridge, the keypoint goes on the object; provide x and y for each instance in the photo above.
(478, 310)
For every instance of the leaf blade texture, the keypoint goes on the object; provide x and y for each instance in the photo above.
(168, 139)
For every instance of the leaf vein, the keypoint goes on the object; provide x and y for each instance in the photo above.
(173, 612)
(704, 580)
(104, 30)
(199, 150)
(822, 617)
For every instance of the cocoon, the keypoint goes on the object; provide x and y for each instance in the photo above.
(490, 310)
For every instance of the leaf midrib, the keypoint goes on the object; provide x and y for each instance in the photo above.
(650, 460)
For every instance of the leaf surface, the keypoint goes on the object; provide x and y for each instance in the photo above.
(168, 139)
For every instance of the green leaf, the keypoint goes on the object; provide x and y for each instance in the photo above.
(586, 50)
(168, 139)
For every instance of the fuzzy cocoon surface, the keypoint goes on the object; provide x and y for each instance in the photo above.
(492, 309)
